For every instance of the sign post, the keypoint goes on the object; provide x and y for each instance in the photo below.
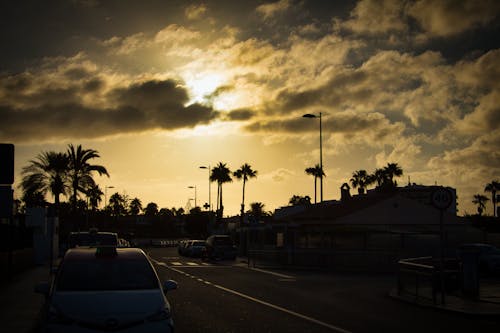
(442, 199)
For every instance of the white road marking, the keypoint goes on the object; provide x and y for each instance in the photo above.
(272, 273)
(192, 263)
(256, 300)
(293, 313)
(176, 263)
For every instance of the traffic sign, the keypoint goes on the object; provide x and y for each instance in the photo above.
(442, 198)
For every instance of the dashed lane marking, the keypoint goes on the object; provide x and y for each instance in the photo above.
(256, 300)
(272, 273)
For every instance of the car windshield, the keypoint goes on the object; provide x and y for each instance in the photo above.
(198, 244)
(106, 274)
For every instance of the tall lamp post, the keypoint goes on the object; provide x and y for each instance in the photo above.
(310, 115)
(195, 205)
(209, 186)
(106, 195)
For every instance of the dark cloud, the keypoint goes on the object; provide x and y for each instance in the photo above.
(240, 115)
(344, 122)
(61, 113)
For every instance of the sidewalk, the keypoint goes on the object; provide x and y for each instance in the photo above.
(20, 305)
(488, 303)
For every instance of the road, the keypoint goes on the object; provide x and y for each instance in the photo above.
(230, 297)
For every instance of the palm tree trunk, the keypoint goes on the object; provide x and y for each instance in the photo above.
(221, 206)
(315, 188)
(494, 202)
(243, 200)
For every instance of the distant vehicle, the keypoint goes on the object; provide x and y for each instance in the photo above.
(182, 247)
(123, 242)
(489, 257)
(92, 238)
(106, 289)
(195, 248)
(220, 247)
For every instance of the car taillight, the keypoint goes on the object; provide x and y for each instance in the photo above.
(162, 314)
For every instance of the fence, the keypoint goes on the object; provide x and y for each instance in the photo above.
(420, 278)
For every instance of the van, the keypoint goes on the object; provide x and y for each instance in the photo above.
(220, 247)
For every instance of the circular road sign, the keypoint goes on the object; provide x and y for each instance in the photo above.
(442, 198)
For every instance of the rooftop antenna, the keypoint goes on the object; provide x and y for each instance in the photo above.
(409, 183)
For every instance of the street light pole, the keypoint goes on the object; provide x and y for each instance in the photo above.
(106, 195)
(195, 204)
(209, 186)
(309, 115)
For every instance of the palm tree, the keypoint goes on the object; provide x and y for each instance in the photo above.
(257, 210)
(317, 172)
(46, 173)
(297, 200)
(151, 209)
(94, 193)
(480, 200)
(245, 172)
(360, 180)
(379, 177)
(117, 204)
(493, 187)
(80, 171)
(221, 175)
(393, 170)
(135, 206)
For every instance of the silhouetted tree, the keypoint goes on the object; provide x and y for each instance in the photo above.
(493, 187)
(221, 175)
(46, 173)
(316, 172)
(151, 209)
(245, 172)
(118, 205)
(135, 206)
(94, 193)
(297, 200)
(360, 180)
(480, 200)
(257, 210)
(393, 170)
(80, 170)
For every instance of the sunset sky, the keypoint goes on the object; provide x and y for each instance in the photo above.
(160, 88)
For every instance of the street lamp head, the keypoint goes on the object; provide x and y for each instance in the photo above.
(203, 167)
(191, 186)
(309, 115)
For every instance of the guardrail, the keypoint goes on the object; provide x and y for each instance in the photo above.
(420, 278)
(330, 259)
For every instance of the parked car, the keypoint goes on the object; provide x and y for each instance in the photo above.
(181, 247)
(92, 238)
(106, 289)
(195, 248)
(489, 257)
(220, 247)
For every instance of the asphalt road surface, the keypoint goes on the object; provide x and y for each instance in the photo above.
(227, 296)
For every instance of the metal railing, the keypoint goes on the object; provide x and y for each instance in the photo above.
(420, 278)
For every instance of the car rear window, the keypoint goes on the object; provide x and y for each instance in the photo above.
(106, 274)
(86, 239)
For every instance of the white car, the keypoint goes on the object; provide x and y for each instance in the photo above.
(106, 289)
